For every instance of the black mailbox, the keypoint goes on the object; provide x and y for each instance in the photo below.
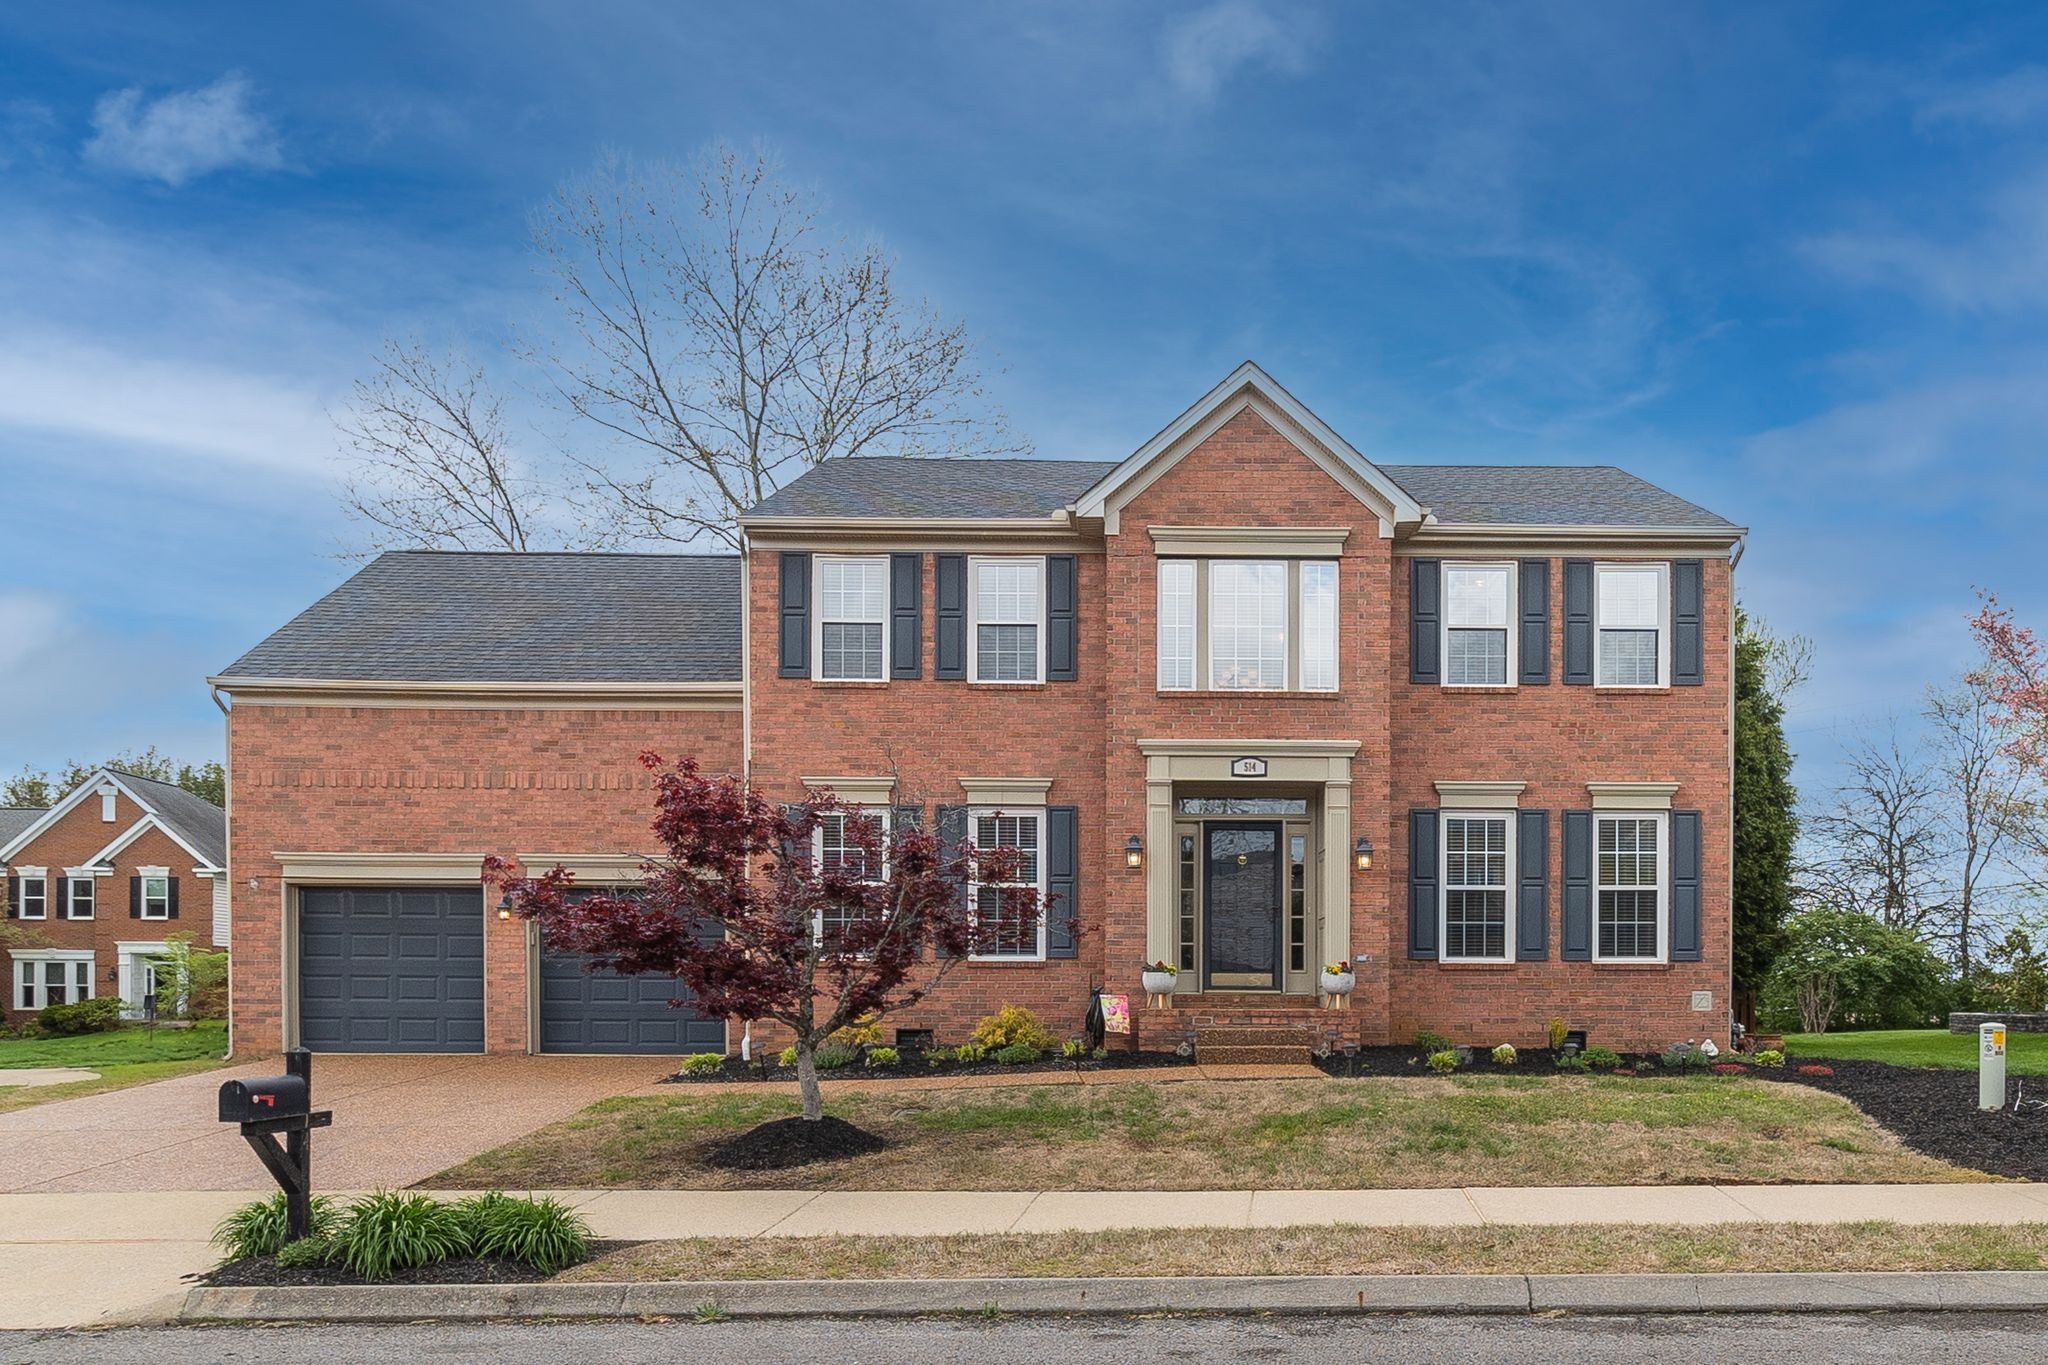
(266, 1097)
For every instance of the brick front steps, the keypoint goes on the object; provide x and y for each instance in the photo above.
(1246, 1046)
(1234, 1029)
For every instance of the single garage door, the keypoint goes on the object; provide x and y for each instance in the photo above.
(391, 969)
(584, 1011)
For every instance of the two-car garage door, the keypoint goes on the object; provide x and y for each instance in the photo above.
(401, 969)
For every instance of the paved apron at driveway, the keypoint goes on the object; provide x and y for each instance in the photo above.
(396, 1120)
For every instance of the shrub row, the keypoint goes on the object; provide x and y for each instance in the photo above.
(384, 1233)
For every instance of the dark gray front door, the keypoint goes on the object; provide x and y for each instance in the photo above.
(391, 969)
(1241, 899)
(584, 1011)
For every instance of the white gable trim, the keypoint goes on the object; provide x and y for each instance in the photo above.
(90, 787)
(1248, 386)
(202, 864)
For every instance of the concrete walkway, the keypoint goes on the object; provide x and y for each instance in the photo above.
(79, 1259)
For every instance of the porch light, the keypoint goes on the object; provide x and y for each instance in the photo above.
(1362, 854)
(1134, 852)
(505, 907)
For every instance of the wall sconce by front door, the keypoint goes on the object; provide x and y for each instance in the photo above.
(1361, 857)
(1134, 852)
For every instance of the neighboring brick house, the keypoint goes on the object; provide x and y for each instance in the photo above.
(98, 882)
(1259, 704)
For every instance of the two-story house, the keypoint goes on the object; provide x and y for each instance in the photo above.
(97, 883)
(1257, 703)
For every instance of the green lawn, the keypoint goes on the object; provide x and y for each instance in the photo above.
(2026, 1054)
(125, 1057)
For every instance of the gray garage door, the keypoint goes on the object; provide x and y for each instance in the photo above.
(599, 1012)
(391, 969)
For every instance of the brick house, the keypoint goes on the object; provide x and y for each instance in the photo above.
(1259, 704)
(97, 882)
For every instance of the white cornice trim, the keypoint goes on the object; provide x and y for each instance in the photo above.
(1006, 791)
(1437, 539)
(1632, 795)
(1479, 795)
(589, 869)
(856, 791)
(1238, 747)
(1299, 542)
(106, 856)
(381, 867)
(89, 787)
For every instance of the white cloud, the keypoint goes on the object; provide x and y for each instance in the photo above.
(1206, 49)
(2017, 97)
(30, 623)
(184, 134)
(2002, 265)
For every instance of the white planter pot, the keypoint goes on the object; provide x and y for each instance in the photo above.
(1158, 983)
(1339, 983)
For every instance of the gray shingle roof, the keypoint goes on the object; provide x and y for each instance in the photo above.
(196, 820)
(458, 616)
(15, 819)
(1496, 495)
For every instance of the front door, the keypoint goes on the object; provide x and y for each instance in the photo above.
(1241, 900)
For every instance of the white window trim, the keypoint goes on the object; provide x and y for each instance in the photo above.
(818, 616)
(1443, 883)
(974, 816)
(882, 815)
(1663, 571)
(149, 874)
(107, 793)
(1512, 628)
(40, 996)
(974, 564)
(76, 877)
(25, 875)
(1289, 603)
(1663, 887)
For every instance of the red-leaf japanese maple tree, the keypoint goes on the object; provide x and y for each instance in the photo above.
(2014, 679)
(755, 926)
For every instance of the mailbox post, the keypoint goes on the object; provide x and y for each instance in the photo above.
(1991, 1066)
(268, 1106)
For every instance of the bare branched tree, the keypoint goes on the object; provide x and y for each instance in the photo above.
(1986, 812)
(1879, 847)
(727, 344)
(431, 465)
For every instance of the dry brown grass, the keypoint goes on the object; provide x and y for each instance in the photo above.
(1337, 1251)
(1319, 1134)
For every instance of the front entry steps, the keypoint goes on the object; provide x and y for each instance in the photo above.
(1253, 1046)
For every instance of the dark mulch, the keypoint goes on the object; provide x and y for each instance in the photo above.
(1933, 1110)
(783, 1143)
(1409, 1061)
(921, 1064)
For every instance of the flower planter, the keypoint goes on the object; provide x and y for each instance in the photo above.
(1158, 988)
(1337, 987)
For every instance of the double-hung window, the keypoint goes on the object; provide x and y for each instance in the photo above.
(853, 615)
(31, 893)
(156, 896)
(1478, 644)
(51, 978)
(1629, 866)
(1634, 640)
(78, 894)
(1008, 602)
(841, 850)
(1477, 871)
(997, 933)
(1247, 625)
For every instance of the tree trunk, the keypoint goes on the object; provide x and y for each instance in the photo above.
(807, 1080)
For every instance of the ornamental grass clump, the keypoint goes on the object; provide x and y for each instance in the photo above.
(387, 1232)
(259, 1229)
(543, 1233)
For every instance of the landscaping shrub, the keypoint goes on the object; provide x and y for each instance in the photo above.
(1684, 1057)
(1505, 1055)
(786, 1057)
(1012, 1025)
(969, 1053)
(1841, 967)
(543, 1233)
(704, 1063)
(258, 1229)
(1073, 1049)
(1601, 1058)
(831, 1057)
(1816, 1069)
(1770, 1056)
(858, 1034)
(1558, 1029)
(1443, 1061)
(883, 1056)
(387, 1232)
(101, 1014)
(1730, 1069)
(1572, 1062)
(1429, 1043)
(307, 1251)
(1018, 1054)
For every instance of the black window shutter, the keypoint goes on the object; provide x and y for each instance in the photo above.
(1425, 613)
(1062, 645)
(949, 616)
(906, 616)
(135, 897)
(1062, 880)
(1685, 886)
(791, 852)
(59, 904)
(1534, 645)
(1532, 904)
(172, 882)
(1578, 622)
(794, 655)
(1575, 944)
(1688, 616)
(952, 823)
(906, 817)
(1422, 883)
(13, 896)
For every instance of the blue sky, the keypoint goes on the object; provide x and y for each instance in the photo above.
(1789, 261)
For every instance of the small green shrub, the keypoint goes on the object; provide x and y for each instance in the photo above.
(1601, 1058)
(1429, 1044)
(1770, 1056)
(307, 1251)
(387, 1232)
(101, 1014)
(831, 1057)
(258, 1229)
(1684, 1057)
(969, 1053)
(858, 1034)
(1443, 1061)
(1505, 1055)
(1571, 1062)
(786, 1057)
(1558, 1029)
(1011, 1025)
(1073, 1049)
(702, 1063)
(543, 1233)
(883, 1056)
(1018, 1054)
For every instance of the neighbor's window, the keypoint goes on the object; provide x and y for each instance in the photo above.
(853, 613)
(1009, 620)
(1629, 888)
(1628, 613)
(1176, 624)
(1475, 888)
(996, 935)
(156, 897)
(1477, 604)
(42, 979)
(32, 895)
(78, 898)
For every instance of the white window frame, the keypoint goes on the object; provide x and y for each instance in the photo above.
(1192, 660)
(884, 817)
(1297, 641)
(975, 564)
(1510, 628)
(1287, 606)
(41, 877)
(155, 874)
(74, 879)
(1662, 570)
(1443, 884)
(34, 993)
(819, 622)
(1202, 667)
(1662, 886)
(975, 815)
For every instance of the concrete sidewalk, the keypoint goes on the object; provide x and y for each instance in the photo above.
(79, 1259)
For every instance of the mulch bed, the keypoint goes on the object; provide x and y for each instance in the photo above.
(919, 1064)
(1933, 1110)
(263, 1271)
(783, 1143)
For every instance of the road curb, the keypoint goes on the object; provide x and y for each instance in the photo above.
(1863, 1291)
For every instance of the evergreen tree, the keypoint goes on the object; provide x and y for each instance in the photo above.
(1766, 819)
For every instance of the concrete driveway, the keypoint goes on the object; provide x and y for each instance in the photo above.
(396, 1120)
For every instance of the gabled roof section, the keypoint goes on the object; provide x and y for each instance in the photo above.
(897, 488)
(105, 857)
(193, 821)
(1550, 495)
(1250, 386)
(15, 819)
